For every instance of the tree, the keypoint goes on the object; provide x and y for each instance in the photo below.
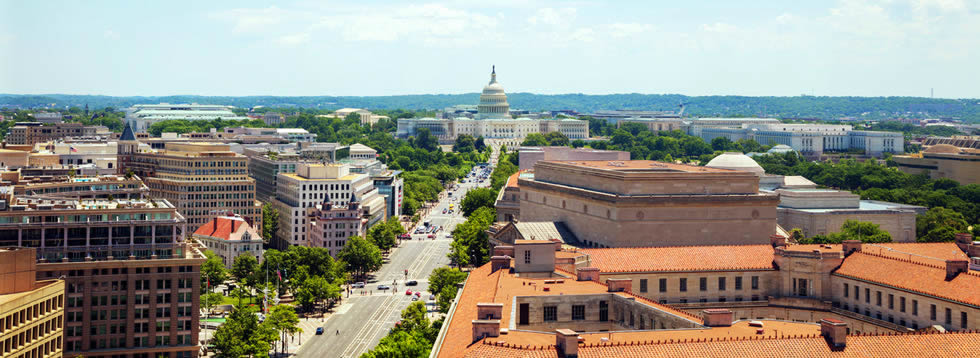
(244, 267)
(425, 141)
(535, 140)
(270, 222)
(464, 144)
(446, 297)
(314, 290)
(240, 293)
(480, 144)
(796, 235)
(556, 139)
(283, 319)
(212, 270)
(210, 300)
(862, 230)
(470, 244)
(722, 144)
(243, 336)
(443, 277)
(478, 198)
(360, 255)
(937, 225)
(384, 235)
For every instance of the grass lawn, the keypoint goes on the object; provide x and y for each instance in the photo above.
(228, 300)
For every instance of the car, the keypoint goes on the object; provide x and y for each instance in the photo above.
(319, 330)
(415, 299)
(358, 284)
(411, 283)
(418, 294)
(408, 292)
(432, 236)
(384, 287)
(432, 297)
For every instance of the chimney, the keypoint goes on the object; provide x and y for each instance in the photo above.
(620, 284)
(851, 246)
(954, 267)
(489, 311)
(499, 262)
(718, 317)
(777, 240)
(964, 238)
(566, 341)
(587, 273)
(835, 332)
(503, 250)
(485, 328)
(557, 244)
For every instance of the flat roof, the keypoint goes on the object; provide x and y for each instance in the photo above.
(641, 165)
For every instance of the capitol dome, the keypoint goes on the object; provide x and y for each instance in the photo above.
(493, 100)
(736, 161)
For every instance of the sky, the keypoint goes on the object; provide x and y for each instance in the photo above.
(373, 48)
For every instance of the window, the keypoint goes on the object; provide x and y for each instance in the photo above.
(915, 307)
(550, 313)
(527, 257)
(857, 293)
(878, 298)
(891, 301)
(963, 320)
(603, 311)
(683, 285)
(663, 285)
(578, 312)
(932, 312)
(721, 284)
(846, 290)
(643, 285)
(755, 282)
(704, 284)
(901, 304)
(867, 295)
(949, 316)
(738, 283)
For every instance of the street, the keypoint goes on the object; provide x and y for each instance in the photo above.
(365, 317)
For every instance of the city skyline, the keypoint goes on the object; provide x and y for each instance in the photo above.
(834, 48)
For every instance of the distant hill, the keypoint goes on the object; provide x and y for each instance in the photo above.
(784, 107)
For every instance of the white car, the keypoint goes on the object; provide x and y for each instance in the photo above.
(358, 284)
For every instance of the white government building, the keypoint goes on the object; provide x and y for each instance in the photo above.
(493, 121)
(142, 116)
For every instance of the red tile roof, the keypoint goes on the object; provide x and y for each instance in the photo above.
(682, 258)
(934, 253)
(512, 180)
(221, 228)
(912, 275)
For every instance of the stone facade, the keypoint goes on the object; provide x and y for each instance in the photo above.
(31, 311)
(943, 161)
(643, 203)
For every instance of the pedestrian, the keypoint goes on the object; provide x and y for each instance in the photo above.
(338, 332)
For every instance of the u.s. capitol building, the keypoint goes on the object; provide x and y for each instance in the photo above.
(493, 121)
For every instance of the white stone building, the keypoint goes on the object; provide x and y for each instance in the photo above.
(492, 121)
(230, 237)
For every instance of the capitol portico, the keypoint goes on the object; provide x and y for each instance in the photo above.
(493, 121)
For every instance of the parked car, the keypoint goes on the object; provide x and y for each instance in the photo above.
(408, 292)
(319, 330)
(358, 284)
(432, 236)
(411, 283)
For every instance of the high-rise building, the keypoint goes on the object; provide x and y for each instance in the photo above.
(132, 284)
(32, 311)
(314, 184)
(203, 180)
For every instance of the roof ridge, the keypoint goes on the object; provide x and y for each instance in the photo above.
(669, 247)
(901, 260)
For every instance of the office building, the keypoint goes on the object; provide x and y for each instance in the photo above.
(535, 299)
(331, 225)
(943, 161)
(202, 180)
(31, 133)
(645, 203)
(366, 117)
(392, 187)
(79, 187)
(32, 311)
(48, 117)
(314, 184)
(142, 116)
(493, 120)
(809, 139)
(132, 284)
(230, 237)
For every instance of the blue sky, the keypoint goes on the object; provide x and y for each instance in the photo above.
(784, 48)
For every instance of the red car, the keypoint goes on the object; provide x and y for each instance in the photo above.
(408, 293)
(432, 236)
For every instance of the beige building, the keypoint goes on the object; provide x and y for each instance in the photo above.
(314, 184)
(528, 156)
(32, 312)
(367, 117)
(10, 158)
(203, 180)
(645, 203)
(508, 202)
(230, 237)
(31, 133)
(330, 225)
(824, 211)
(523, 303)
(943, 161)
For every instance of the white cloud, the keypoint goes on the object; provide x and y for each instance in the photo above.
(294, 39)
(109, 34)
(719, 27)
(252, 20)
(628, 29)
(552, 16)
(785, 18)
(942, 5)
(433, 24)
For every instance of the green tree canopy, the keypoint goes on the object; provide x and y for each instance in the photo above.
(939, 224)
(360, 255)
(243, 336)
(212, 270)
(478, 198)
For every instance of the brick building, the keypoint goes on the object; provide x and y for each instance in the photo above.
(30, 133)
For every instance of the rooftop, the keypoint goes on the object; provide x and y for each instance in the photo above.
(223, 228)
(640, 165)
(682, 258)
(912, 275)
